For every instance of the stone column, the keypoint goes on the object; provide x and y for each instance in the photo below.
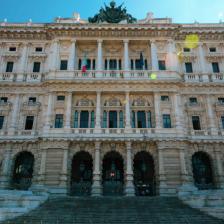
(126, 59)
(211, 118)
(98, 111)
(68, 111)
(99, 58)
(55, 55)
(154, 57)
(23, 59)
(219, 165)
(72, 56)
(6, 168)
(129, 189)
(202, 63)
(172, 56)
(64, 172)
(162, 176)
(97, 187)
(157, 110)
(127, 112)
(49, 113)
(14, 117)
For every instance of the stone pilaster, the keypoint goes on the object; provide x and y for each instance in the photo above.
(6, 168)
(68, 111)
(219, 167)
(157, 110)
(154, 56)
(178, 112)
(129, 188)
(98, 112)
(172, 56)
(162, 175)
(14, 117)
(55, 55)
(97, 187)
(64, 172)
(127, 112)
(49, 113)
(202, 63)
(23, 59)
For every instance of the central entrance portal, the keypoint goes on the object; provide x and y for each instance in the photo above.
(144, 175)
(81, 179)
(113, 174)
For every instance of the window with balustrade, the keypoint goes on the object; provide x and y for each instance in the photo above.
(1, 121)
(141, 116)
(9, 66)
(84, 114)
(113, 115)
(221, 100)
(4, 99)
(59, 120)
(90, 64)
(166, 121)
(29, 122)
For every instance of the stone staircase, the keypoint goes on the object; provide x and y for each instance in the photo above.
(16, 203)
(209, 201)
(115, 210)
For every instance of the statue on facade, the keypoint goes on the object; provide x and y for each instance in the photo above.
(112, 14)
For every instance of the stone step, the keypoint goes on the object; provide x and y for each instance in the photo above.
(119, 210)
(9, 213)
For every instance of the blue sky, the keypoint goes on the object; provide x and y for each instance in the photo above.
(182, 11)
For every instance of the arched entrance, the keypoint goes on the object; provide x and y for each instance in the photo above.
(202, 171)
(113, 174)
(82, 172)
(144, 174)
(23, 171)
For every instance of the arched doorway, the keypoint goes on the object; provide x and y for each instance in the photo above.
(113, 174)
(202, 171)
(82, 172)
(144, 174)
(23, 171)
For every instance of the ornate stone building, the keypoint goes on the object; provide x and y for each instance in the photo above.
(101, 108)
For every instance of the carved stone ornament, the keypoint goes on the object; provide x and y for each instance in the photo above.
(112, 14)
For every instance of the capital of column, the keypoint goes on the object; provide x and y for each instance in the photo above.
(99, 41)
(97, 145)
(73, 41)
(126, 41)
(128, 145)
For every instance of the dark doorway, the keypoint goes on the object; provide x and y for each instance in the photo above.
(81, 178)
(113, 174)
(141, 119)
(144, 174)
(23, 171)
(113, 119)
(84, 119)
(202, 171)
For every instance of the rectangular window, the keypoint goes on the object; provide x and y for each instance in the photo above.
(88, 64)
(162, 65)
(29, 123)
(60, 98)
(221, 100)
(212, 49)
(141, 119)
(215, 67)
(32, 99)
(59, 121)
(193, 100)
(12, 49)
(222, 122)
(64, 65)
(105, 119)
(188, 67)
(4, 99)
(76, 116)
(1, 121)
(113, 119)
(166, 121)
(164, 98)
(92, 125)
(36, 67)
(196, 123)
(132, 64)
(120, 67)
(146, 64)
(38, 49)
(80, 64)
(84, 119)
(94, 64)
(186, 49)
(113, 64)
(121, 116)
(9, 66)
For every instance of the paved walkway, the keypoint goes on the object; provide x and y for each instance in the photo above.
(107, 210)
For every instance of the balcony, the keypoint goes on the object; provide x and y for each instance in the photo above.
(199, 132)
(217, 77)
(192, 77)
(8, 77)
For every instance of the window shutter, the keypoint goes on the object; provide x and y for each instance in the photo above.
(76, 120)
(121, 125)
(92, 125)
(104, 119)
(149, 120)
(133, 119)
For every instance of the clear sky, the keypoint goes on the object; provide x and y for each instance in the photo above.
(182, 11)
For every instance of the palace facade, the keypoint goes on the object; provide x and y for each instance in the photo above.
(99, 108)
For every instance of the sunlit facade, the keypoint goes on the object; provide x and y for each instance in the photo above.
(111, 109)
